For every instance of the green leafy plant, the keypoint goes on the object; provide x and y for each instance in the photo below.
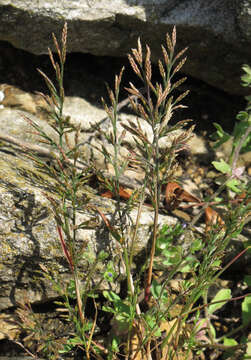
(241, 141)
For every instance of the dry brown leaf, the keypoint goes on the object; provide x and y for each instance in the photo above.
(123, 193)
(175, 195)
(212, 218)
(166, 327)
(172, 195)
(242, 196)
(136, 355)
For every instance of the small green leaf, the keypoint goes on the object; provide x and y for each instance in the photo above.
(173, 255)
(111, 296)
(248, 351)
(222, 166)
(151, 322)
(102, 255)
(191, 263)
(216, 263)
(246, 78)
(196, 245)
(247, 69)
(75, 341)
(157, 291)
(115, 344)
(213, 331)
(240, 130)
(223, 295)
(108, 309)
(220, 132)
(242, 116)
(220, 136)
(246, 310)
(247, 279)
(232, 184)
(230, 342)
(186, 268)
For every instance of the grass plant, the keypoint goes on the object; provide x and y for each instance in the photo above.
(152, 320)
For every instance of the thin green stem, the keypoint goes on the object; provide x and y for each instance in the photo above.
(156, 217)
(142, 199)
(207, 316)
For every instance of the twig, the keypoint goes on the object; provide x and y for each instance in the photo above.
(25, 349)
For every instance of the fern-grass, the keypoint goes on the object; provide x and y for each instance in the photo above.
(152, 321)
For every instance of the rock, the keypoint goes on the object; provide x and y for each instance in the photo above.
(217, 33)
(197, 146)
(225, 150)
(13, 97)
(29, 237)
(82, 113)
(9, 327)
(28, 231)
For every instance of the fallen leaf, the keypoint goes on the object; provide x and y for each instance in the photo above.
(123, 193)
(107, 194)
(242, 196)
(172, 196)
(135, 346)
(169, 329)
(175, 195)
(212, 218)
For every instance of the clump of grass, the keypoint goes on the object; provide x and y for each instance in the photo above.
(151, 321)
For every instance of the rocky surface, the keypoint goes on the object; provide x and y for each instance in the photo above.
(216, 32)
(27, 226)
(81, 112)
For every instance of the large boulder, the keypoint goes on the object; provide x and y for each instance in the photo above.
(216, 32)
(29, 235)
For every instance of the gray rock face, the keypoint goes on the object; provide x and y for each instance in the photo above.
(217, 32)
(28, 231)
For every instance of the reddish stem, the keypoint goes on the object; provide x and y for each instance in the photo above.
(65, 250)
